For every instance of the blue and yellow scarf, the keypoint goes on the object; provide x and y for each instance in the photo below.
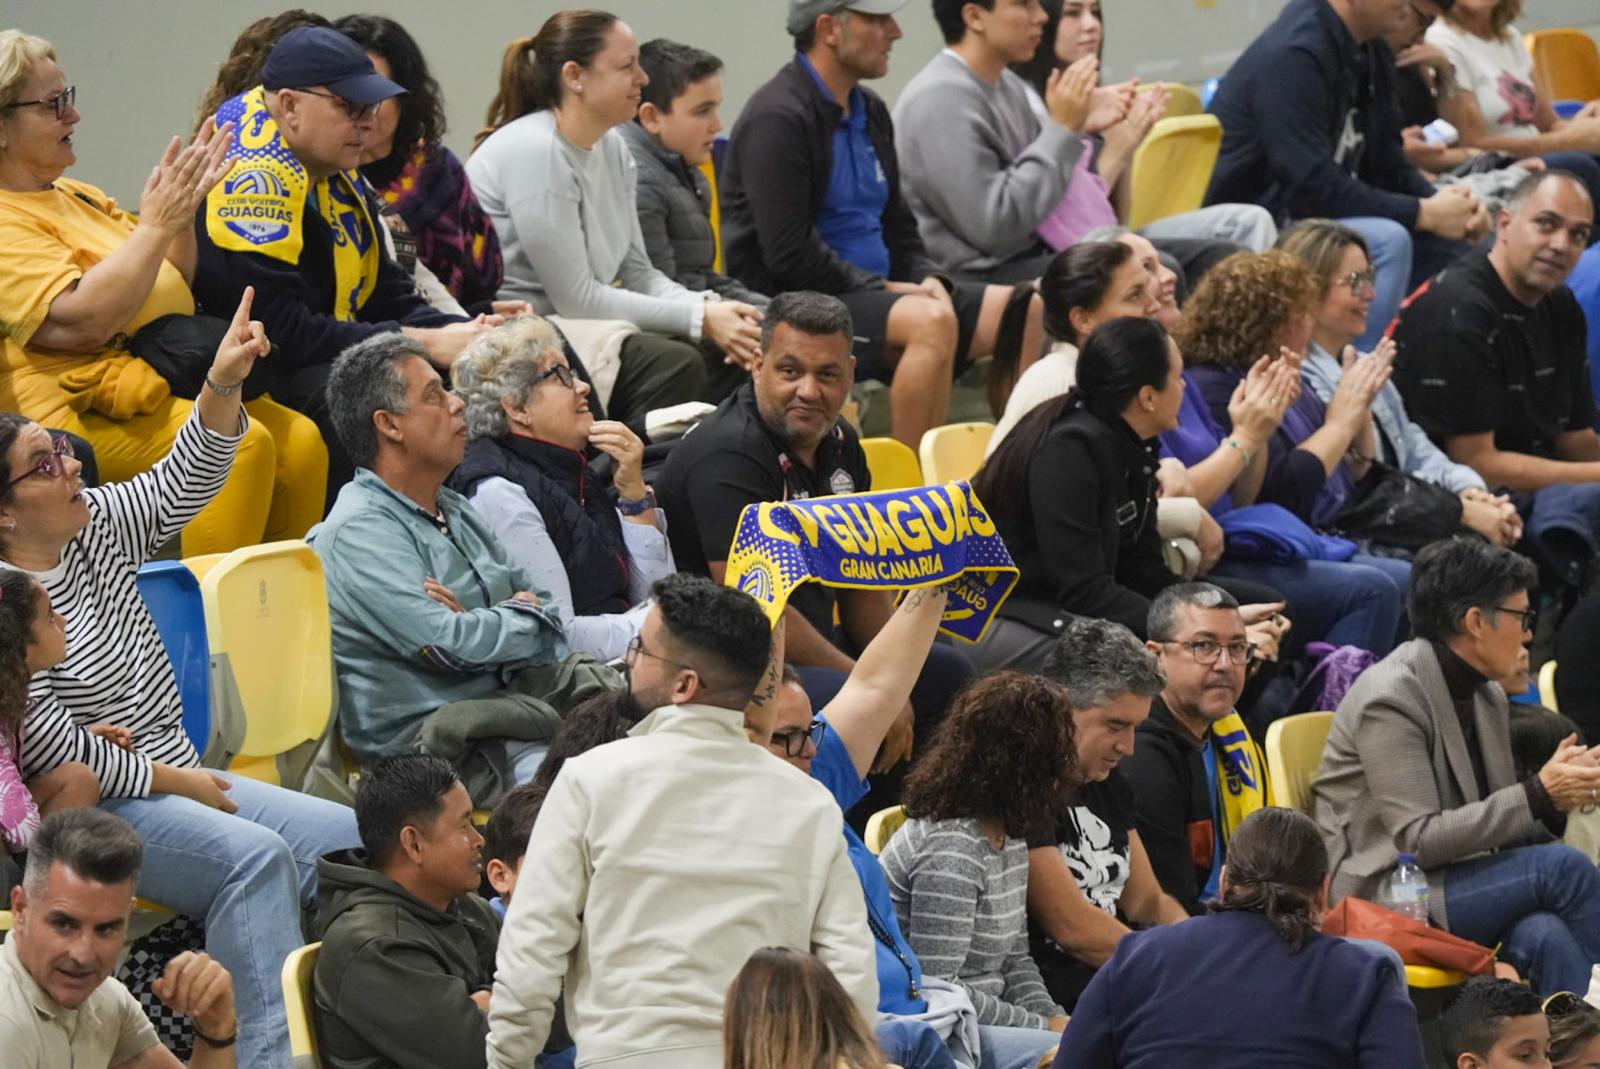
(260, 205)
(892, 540)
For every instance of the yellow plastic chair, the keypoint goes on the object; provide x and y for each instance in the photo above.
(882, 825)
(954, 452)
(1547, 686)
(272, 647)
(1172, 169)
(1294, 752)
(1567, 63)
(5, 920)
(709, 169)
(892, 463)
(297, 971)
(1183, 99)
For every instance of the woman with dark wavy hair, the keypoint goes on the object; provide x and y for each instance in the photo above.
(1001, 762)
(1293, 997)
(422, 184)
(33, 637)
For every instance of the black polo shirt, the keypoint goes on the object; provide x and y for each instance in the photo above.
(732, 460)
(1472, 358)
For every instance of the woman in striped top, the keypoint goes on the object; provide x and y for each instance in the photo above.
(958, 870)
(32, 638)
(233, 852)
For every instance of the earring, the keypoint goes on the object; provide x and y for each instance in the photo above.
(11, 525)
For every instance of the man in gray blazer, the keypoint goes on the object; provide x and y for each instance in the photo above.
(1419, 761)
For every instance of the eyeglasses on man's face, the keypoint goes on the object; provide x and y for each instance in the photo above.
(794, 740)
(1207, 652)
(636, 649)
(355, 112)
(52, 465)
(1530, 617)
(59, 103)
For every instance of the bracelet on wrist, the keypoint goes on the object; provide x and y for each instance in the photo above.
(223, 391)
(217, 1044)
(1249, 458)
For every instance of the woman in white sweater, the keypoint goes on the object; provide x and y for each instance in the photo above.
(559, 182)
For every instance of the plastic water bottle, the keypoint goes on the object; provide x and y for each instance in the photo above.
(1408, 889)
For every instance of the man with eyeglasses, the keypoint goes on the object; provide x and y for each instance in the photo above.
(294, 219)
(1195, 771)
(1419, 760)
(1490, 357)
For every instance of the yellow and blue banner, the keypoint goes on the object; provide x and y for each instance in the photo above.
(892, 540)
(261, 204)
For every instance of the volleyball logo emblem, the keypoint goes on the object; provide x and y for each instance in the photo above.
(757, 582)
(255, 206)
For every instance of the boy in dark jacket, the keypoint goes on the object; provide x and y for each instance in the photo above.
(408, 947)
(671, 139)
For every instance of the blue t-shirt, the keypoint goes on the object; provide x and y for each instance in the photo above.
(1585, 283)
(851, 219)
(898, 973)
(1213, 885)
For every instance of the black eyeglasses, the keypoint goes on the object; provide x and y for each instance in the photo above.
(1206, 652)
(794, 740)
(356, 112)
(58, 102)
(1530, 617)
(50, 465)
(636, 650)
(561, 373)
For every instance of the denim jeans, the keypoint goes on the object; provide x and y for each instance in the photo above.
(1541, 904)
(1013, 1048)
(1563, 522)
(1249, 225)
(912, 1044)
(1360, 602)
(247, 876)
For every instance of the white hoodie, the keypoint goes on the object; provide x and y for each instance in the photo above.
(658, 865)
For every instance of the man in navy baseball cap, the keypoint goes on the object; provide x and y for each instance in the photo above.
(317, 56)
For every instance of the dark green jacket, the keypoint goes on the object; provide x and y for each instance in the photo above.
(394, 980)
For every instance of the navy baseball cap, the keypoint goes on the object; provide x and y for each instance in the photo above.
(316, 55)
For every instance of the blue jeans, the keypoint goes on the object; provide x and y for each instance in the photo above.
(1249, 225)
(912, 1044)
(1541, 904)
(1563, 526)
(247, 876)
(1360, 602)
(1014, 1048)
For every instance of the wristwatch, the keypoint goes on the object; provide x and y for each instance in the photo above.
(642, 505)
(223, 391)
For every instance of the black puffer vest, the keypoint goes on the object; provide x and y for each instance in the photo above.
(580, 515)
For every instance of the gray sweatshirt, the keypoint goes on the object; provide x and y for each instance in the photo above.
(976, 166)
(550, 199)
(964, 908)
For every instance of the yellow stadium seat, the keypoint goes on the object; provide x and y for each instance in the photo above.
(882, 825)
(297, 1000)
(709, 169)
(892, 463)
(1172, 169)
(954, 452)
(1183, 100)
(1567, 63)
(267, 621)
(1547, 686)
(1294, 750)
(5, 920)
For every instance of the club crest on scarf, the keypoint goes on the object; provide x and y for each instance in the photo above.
(895, 540)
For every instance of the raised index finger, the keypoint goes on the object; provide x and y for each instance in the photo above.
(241, 315)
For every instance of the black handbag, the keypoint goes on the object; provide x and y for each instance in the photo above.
(1396, 509)
(182, 348)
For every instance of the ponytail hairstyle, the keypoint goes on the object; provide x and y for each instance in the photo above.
(786, 1010)
(1276, 864)
(1120, 358)
(19, 602)
(530, 72)
(1079, 277)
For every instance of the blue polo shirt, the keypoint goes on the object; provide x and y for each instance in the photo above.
(833, 769)
(851, 219)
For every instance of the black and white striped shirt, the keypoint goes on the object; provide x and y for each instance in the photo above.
(116, 670)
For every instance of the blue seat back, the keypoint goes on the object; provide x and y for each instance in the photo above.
(172, 594)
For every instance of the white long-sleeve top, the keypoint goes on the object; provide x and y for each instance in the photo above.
(665, 860)
(548, 199)
(521, 528)
(116, 669)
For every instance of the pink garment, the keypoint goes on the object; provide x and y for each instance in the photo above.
(1087, 205)
(19, 817)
